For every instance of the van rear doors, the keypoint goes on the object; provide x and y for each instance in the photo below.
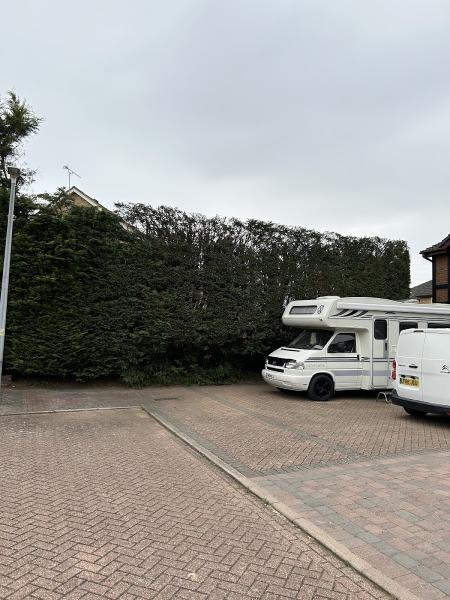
(436, 368)
(409, 364)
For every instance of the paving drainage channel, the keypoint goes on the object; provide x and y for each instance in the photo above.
(67, 410)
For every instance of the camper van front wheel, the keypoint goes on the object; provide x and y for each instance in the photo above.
(321, 388)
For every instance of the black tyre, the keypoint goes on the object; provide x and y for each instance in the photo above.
(321, 388)
(413, 412)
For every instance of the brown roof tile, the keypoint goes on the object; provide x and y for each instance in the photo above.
(423, 290)
(437, 248)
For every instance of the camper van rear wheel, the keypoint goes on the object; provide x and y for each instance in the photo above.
(321, 388)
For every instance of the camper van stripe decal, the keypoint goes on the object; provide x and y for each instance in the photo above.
(367, 373)
(341, 312)
(346, 372)
(347, 313)
(332, 359)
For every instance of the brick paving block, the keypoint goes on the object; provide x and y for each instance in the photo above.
(44, 594)
(75, 595)
(46, 584)
(406, 560)
(24, 592)
(430, 592)
(218, 595)
(427, 574)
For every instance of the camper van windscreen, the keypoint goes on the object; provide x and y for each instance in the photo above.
(312, 339)
(303, 310)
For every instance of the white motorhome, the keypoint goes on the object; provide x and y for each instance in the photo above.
(421, 371)
(345, 343)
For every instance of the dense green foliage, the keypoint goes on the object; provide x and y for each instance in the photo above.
(17, 123)
(176, 297)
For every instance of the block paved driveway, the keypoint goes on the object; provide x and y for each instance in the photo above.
(366, 473)
(109, 504)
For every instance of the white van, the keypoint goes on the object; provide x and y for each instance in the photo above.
(345, 343)
(421, 371)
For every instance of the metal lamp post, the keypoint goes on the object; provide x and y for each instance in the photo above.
(14, 174)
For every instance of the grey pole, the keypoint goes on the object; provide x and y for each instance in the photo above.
(14, 174)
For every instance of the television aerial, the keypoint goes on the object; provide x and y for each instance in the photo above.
(70, 172)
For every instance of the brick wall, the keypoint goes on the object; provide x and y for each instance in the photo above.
(441, 296)
(441, 269)
(441, 262)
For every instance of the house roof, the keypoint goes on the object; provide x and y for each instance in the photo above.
(423, 290)
(81, 194)
(439, 248)
(96, 204)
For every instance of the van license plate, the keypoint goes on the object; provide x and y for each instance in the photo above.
(270, 376)
(412, 381)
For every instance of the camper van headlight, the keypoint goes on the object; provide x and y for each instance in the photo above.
(293, 364)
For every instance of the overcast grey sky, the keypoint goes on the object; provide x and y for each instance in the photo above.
(329, 114)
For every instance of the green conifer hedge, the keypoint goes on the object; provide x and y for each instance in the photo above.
(174, 298)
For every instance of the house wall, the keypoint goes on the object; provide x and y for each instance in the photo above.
(425, 300)
(442, 296)
(80, 201)
(441, 269)
(440, 283)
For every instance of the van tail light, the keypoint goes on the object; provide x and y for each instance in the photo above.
(394, 370)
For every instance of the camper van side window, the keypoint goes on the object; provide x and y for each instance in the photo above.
(310, 309)
(343, 342)
(439, 325)
(407, 325)
(380, 329)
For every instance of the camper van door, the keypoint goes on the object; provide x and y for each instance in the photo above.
(380, 353)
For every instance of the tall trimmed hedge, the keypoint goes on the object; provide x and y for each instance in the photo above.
(176, 296)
